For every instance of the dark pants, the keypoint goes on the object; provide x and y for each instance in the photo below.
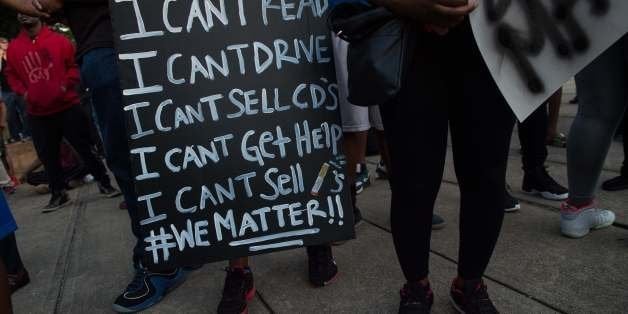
(99, 72)
(49, 131)
(532, 135)
(448, 86)
(10, 254)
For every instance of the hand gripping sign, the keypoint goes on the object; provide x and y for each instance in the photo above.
(532, 47)
(233, 123)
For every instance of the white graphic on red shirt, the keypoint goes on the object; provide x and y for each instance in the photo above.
(37, 66)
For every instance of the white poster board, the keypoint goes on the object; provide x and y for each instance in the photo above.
(599, 26)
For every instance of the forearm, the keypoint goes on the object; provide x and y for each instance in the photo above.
(22, 6)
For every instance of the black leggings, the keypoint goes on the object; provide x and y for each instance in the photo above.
(532, 135)
(448, 85)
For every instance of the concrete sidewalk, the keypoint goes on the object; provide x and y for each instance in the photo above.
(79, 257)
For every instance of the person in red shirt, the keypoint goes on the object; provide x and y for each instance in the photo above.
(41, 68)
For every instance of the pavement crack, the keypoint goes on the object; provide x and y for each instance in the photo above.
(264, 302)
(63, 262)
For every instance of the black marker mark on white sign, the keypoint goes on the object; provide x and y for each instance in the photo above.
(232, 110)
(561, 28)
(532, 47)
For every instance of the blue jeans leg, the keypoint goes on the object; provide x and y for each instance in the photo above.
(99, 72)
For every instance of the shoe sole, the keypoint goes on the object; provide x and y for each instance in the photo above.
(615, 189)
(582, 233)
(439, 226)
(455, 305)
(513, 209)
(547, 195)
(328, 282)
(112, 195)
(52, 210)
(121, 309)
(359, 190)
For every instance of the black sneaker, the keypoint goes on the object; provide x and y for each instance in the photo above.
(108, 190)
(471, 297)
(438, 222)
(238, 291)
(57, 201)
(511, 204)
(382, 172)
(147, 289)
(416, 298)
(616, 184)
(321, 265)
(539, 182)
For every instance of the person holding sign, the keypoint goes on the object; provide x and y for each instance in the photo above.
(448, 85)
(41, 68)
(90, 23)
(602, 102)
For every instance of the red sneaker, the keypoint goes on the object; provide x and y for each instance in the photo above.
(471, 297)
(239, 289)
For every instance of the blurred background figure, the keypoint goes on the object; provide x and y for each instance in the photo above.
(41, 67)
(13, 275)
(15, 107)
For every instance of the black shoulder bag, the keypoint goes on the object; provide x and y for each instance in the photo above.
(381, 46)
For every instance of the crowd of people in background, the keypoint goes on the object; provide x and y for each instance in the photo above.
(44, 76)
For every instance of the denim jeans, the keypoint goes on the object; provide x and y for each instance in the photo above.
(603, 95)
(99, 72)
(16, 116)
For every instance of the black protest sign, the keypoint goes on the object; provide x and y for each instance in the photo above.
(232, 115)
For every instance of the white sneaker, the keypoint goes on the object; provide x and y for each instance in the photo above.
(578, 222)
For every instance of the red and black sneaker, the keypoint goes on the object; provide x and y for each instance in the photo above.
(322, 267)
(416, 298)
(471, 297)
(239, 289)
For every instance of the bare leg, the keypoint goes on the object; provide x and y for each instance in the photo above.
(239, 262)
